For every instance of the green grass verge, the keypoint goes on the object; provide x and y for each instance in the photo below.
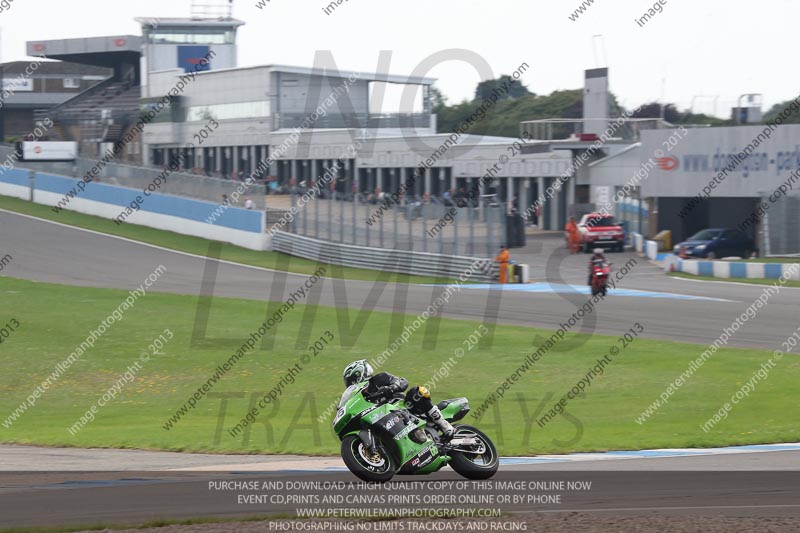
(194, 245)
(783, 260)
(54, 319)
(751, 281)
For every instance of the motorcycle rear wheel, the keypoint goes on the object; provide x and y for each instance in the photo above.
(377, 467)
(481, 465)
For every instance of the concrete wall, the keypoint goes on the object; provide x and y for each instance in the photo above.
(181, 215)
(15, 183)
(302, 93)
(614, 171)
(595, 100)
(702, 153)
(215, 87)
(728, 269)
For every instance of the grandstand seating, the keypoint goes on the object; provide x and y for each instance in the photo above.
(89, 105)
(82, 117)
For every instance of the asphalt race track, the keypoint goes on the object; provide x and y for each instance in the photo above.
(152, 485)
(49, 252)
(36, 459)
(167, 484)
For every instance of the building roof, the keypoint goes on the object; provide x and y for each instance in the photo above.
(382, 134)
(634, 146)
(54, 68)
(311, 71)
(389, 78)
(83, 46)
(156, 22)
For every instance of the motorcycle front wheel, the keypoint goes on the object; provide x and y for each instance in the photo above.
(376, 466)
(482, 463)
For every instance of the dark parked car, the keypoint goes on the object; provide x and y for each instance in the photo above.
(717, 243)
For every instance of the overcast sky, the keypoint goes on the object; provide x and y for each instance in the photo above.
(693, 50)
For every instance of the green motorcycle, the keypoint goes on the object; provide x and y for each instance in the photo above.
(381, 437)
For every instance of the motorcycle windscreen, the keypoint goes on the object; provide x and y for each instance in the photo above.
(350, 391)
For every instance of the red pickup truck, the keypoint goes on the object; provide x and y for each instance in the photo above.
(601, 231)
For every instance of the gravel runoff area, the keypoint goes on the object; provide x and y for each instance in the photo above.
(549, 522)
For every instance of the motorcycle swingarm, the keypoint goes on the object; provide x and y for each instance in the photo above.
(453, 444)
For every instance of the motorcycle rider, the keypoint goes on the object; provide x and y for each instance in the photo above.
(597, 259)
(417, 398)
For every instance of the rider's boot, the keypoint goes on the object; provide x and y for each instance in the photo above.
(435, 416)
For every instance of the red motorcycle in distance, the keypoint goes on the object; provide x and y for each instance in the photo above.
(600, 272)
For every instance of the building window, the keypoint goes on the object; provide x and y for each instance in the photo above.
(228, 111)
(178, 37)
(72, 83)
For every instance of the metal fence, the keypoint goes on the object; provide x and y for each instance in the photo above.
(434, 225)
(399, 261)
(563, 128)
(176, 183)
(779, 227)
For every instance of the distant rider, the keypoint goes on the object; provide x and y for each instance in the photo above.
(597, 259)
(417, 398)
